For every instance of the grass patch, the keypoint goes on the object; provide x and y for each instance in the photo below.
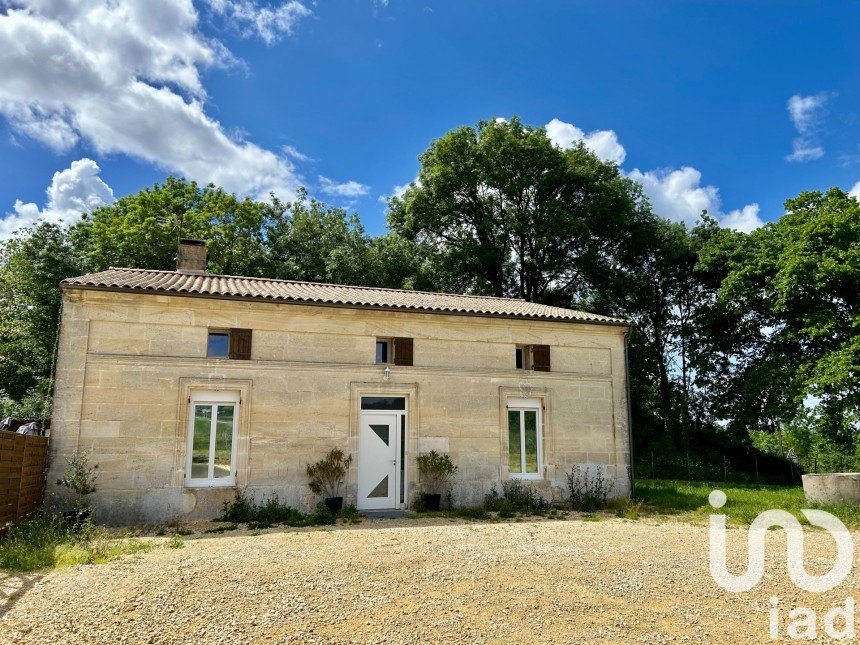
(689, 501)
(43, 543)
(175, 542)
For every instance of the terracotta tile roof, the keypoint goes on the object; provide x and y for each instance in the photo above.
(225, 286)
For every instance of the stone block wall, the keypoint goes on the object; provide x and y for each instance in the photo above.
(128, 362)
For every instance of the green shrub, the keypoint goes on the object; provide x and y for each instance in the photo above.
(80, 478)
(327, 475)
(223, 529)
(516, 497)
(434, 471)
(588, 488)
(322, 515)
(273, 512)
(241, 510)
(351, 514)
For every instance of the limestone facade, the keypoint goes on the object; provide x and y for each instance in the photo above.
(129, 363)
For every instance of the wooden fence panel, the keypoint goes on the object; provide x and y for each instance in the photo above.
(23, 464)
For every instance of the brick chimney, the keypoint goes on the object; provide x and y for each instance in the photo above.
(191, 257)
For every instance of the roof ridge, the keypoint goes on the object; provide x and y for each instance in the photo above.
(327, 284)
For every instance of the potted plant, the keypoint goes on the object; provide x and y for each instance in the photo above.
(80, 478)
(326, 477)
(434, 470)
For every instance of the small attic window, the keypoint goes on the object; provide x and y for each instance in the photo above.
(219, 343)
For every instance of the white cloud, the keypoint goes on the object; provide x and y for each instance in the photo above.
(855, 192)
(33, 121)
(125, 78)
(807, 114)
(294, 153)
(603, 143)
(745, 219)
(399, 190)
(75, 190)
(678, 195)
(346, 189)
(268, 22)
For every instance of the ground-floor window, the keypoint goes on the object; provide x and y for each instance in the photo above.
(524, 438)
(212, 429)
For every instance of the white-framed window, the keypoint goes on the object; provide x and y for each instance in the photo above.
(525, 440)
(213, 423)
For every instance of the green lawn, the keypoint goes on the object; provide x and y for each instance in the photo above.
(689, 501)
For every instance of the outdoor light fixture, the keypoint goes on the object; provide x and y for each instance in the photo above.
(386, 373)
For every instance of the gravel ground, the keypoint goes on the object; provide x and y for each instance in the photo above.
(409, 580)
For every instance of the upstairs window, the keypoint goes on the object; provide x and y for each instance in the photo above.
(383, 350)
(394, 351)
(532, 357)
(229, 343)
(219, 343)
(524, 357)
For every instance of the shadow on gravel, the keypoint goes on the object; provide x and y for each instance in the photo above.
(13, 587)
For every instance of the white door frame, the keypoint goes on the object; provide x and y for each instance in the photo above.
(401, 434)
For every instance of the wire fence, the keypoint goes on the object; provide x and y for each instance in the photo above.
(745, 469)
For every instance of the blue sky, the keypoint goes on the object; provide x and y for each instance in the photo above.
(728, 106)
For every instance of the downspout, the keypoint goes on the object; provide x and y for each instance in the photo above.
(629, 408)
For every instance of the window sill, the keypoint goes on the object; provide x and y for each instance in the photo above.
(207, 484)
(530, 476)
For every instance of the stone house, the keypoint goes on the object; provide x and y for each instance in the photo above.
(186, 386)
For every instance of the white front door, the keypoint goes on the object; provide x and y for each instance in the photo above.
(379, 460)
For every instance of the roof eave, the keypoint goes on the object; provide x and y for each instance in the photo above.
(311, 303)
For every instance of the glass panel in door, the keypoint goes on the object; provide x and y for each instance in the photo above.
(201, 442)
(530, 436)
(514, 449)
(223, 460)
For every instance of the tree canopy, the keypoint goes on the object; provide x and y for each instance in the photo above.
(506, 212)
(735, 334)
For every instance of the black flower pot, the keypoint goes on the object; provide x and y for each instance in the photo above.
(75, 520)
(334, 504)
(431, 502)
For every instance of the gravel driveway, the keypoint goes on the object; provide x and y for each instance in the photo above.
(409, 580)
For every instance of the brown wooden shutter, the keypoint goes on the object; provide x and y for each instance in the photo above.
(540, 358)
(403, 351)
(240, 344)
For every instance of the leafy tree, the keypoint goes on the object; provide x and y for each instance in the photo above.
(32, 264)
(506, 212)
(319, 243)
(785, 328)
(142, 230)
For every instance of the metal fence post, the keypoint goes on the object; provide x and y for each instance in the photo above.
(725, 472)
